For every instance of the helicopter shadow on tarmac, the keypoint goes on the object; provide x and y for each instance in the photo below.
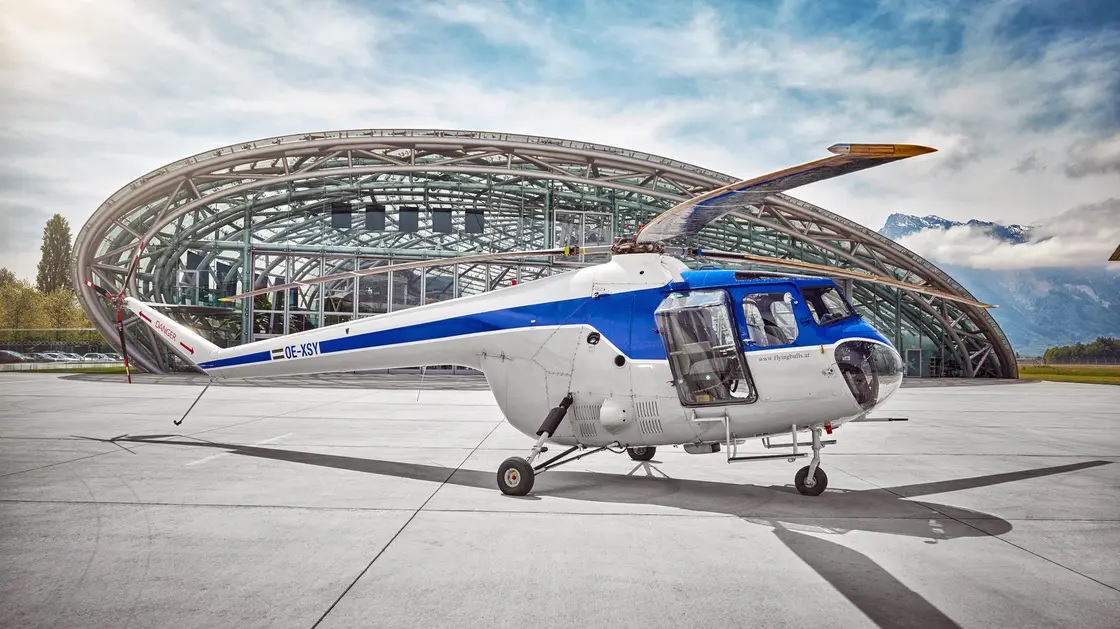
(867, 585)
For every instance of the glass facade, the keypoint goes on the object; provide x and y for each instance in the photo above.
(269, 212)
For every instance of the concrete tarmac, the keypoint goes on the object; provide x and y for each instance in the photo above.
(371, 502)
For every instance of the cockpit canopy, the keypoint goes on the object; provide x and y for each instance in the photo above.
(709, 330)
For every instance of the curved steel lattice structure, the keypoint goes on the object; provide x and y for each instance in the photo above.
(277, 210)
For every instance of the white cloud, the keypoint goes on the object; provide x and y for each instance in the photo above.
(1094, 156)
(1081, 237)
(98, 93)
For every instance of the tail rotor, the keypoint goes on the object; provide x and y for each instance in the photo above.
(117, 301)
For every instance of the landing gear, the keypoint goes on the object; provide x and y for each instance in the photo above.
(807, 486)
(811, 479)
(642, 453)
(515, 476)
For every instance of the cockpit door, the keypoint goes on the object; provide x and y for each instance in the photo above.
(702, 342)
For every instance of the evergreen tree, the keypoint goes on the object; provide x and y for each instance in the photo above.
(54, 266)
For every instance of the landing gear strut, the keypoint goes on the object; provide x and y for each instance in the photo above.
(516, 475)
(811, 479)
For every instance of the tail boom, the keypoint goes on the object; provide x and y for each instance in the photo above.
(185, 341)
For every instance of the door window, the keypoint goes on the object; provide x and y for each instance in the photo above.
(769, 318)
(699, 337)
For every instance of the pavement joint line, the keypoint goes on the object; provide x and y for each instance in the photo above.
(401, 530)
(965, 521)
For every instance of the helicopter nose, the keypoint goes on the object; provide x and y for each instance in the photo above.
(873, 371)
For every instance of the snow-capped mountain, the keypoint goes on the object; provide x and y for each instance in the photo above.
(1038, 307)
(899, 225)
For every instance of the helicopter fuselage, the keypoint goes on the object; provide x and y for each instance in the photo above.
(651, 352)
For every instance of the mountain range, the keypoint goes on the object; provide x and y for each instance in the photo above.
(1038, 307)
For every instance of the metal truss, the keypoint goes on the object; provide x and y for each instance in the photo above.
(246, 213)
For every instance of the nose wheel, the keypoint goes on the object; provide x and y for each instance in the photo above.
(810, 485)
(811, 479)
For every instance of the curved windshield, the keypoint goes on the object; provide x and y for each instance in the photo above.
(873, 371)
(826, 304)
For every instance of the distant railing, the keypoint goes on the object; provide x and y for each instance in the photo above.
(58, 365)
(1069, 361)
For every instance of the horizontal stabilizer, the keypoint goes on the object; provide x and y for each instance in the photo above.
(690, 217)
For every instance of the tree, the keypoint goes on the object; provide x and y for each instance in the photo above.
(54, 265)
(23, 308)
(61, 310)
(7, 277)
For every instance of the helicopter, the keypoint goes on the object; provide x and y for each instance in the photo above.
(629, 355)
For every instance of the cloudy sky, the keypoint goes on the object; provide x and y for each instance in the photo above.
(1021, 97)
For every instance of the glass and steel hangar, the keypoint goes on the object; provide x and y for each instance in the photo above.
(273, 211)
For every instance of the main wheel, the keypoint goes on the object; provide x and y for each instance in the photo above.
(515, 477)
(642, 453)
(810, 486)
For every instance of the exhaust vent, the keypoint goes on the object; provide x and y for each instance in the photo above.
(646, 409)
(586, 412)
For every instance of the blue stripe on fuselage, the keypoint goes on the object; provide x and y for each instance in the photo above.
(625, 319)
(611, 315)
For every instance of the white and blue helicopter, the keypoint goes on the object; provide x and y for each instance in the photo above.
(629, 355)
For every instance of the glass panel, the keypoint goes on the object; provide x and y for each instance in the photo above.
(530, 273)
(872, 371)
(699, 338)
(439, 285)
(373, 290)
(269, 271)
(304, 298)
(567, 228)
(338, 294)
(333, 318)
(826, 304)
(770, 320)
(473, 278)
(406, 288)
(597, 231)
(502, 276)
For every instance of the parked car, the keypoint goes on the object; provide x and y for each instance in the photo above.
(8, 356)
(97, 357)
(70, 357)
(53, 357)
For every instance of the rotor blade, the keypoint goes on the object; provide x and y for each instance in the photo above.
(124, 348)
(834, 272)
(422, 264)
(690, 217)
(132, 267)
(101, 291)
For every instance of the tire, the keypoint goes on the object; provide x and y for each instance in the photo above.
(515, 477)
(820, 482)
(642, 453)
